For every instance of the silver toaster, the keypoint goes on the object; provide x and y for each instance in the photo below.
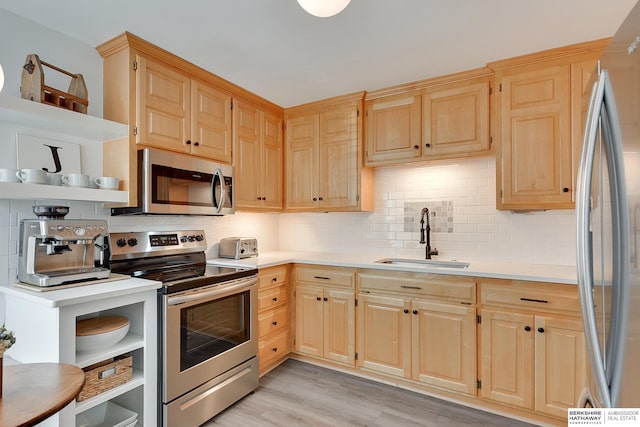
(238, 247)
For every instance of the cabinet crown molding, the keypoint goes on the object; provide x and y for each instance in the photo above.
(128, 40)
(568, 53)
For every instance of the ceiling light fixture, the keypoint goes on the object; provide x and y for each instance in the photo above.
(323, 8)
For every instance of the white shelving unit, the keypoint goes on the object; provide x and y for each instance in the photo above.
(45, 326)
(18, 111)
(19, 191)
(41, 116)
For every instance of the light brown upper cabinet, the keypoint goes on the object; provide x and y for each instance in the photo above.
(324, 161)
(394, 129)
(440, 118)
(537, 116)
(182, 114)
(168, 103)
(456, 119)
(258, 159)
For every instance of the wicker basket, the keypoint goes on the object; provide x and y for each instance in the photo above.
(106, 375)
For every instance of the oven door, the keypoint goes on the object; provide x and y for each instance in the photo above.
(207, 331)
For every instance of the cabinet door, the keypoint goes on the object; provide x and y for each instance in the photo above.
(210, 122)
(302, 161)
(163, 102)
(338, 158)
(560, 364)
(507, 358)
(339, 326)
(535, 157)
(444, 346)
(384, 335)
(456, 120)
(246, 128)
(272, 161)
(310, 321)
(394, 128)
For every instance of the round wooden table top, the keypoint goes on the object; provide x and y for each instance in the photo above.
(32, 392)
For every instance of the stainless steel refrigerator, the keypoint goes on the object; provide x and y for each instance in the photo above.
(608, 224)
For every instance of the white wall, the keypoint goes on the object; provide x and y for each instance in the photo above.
(479, 231)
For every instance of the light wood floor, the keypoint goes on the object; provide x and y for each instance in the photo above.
(301, 394)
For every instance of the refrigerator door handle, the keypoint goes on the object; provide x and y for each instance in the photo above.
(584, 241)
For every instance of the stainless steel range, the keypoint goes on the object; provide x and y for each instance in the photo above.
(208, 322)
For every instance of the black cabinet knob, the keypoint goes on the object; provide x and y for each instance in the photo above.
(565, 190)
(326, 299)
(315, 199)
(541, 330)
(427, 145)
(275, 299)
(320, 198)
(415, 311)
(197, 144)
(275, 349)
(274, 280)
(527, 328)
(406, 310)
(415, 147)
(274, 323)
(318, 299)
(188, 142)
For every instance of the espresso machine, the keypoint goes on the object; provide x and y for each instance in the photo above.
(56, 251)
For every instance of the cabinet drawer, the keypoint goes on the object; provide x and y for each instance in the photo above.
(556, 298)
(273, 276)
(324, 276)
(272, 320)
(455, 288)
(271, 297)
(273, 348)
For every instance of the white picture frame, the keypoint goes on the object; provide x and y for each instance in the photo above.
(35, 152)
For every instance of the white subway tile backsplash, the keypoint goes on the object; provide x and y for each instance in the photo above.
(480, 232)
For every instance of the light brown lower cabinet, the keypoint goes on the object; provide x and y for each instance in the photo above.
(325, 313)
(512, 346)
(532, 358)
(325, 323)
(273, 317)
(430, 342)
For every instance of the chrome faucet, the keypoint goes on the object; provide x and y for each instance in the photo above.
(427, 232)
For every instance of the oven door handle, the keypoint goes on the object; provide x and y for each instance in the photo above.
(216, 292)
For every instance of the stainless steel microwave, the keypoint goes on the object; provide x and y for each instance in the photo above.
(179, 184)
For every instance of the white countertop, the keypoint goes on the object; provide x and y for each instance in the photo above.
(84, 293)
(530, 272)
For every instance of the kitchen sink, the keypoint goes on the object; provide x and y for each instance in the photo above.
(407, 262)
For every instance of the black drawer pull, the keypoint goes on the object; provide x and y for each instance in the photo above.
(275, 279)
(275, 349)
(318, 299)
(534, 300)
(406, 310)
(274, 323)
(410, 287)
(274, 299)
(322, 277)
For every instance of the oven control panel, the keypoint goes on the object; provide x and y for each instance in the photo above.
(126, 245)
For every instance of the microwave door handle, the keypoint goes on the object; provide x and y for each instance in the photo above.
(218, 204)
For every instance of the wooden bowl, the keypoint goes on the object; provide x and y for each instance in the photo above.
(99, 333)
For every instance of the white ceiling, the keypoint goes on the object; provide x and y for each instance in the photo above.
(276, 50)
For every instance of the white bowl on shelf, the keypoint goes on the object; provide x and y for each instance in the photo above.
(99, 333)
(107, 414)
